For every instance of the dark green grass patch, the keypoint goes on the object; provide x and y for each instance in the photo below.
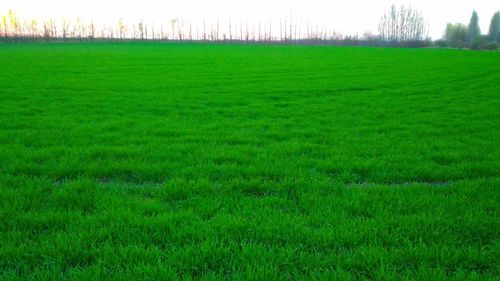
(208, 162)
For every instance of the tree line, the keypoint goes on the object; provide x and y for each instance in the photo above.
(459, 35)
(399, 26)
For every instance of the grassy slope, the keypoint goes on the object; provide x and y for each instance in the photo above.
(135, 161)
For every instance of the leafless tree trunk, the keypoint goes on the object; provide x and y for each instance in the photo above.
(204, 31)
(121, 28)
(65, 28)
(92, 30)
(270, 36)
(34, 28)
(247, 35)
(180, 30)
(241, 31)
(281, 29)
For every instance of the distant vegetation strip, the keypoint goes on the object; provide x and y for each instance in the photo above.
(401, 26)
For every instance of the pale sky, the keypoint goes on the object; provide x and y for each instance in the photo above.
(347, 16)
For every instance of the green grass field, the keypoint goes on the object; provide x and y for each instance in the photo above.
(151, 161)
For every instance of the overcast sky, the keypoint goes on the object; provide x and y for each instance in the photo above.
(349, 16)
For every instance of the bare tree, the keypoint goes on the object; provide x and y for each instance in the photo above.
(11, 24)
(3, 32)
(180, 30)
(33, 28)
(204, 31)
(79, 28)
(285, 27)
(92, 30)
(269, 36)
(49, 29)
(247, 34)
(217, 31)
(281, 29)
(121, 28)
(241, 31)
(402, 25)
(141, 30)
(65, 28)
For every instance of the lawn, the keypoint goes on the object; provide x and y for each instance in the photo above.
(155, 161)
